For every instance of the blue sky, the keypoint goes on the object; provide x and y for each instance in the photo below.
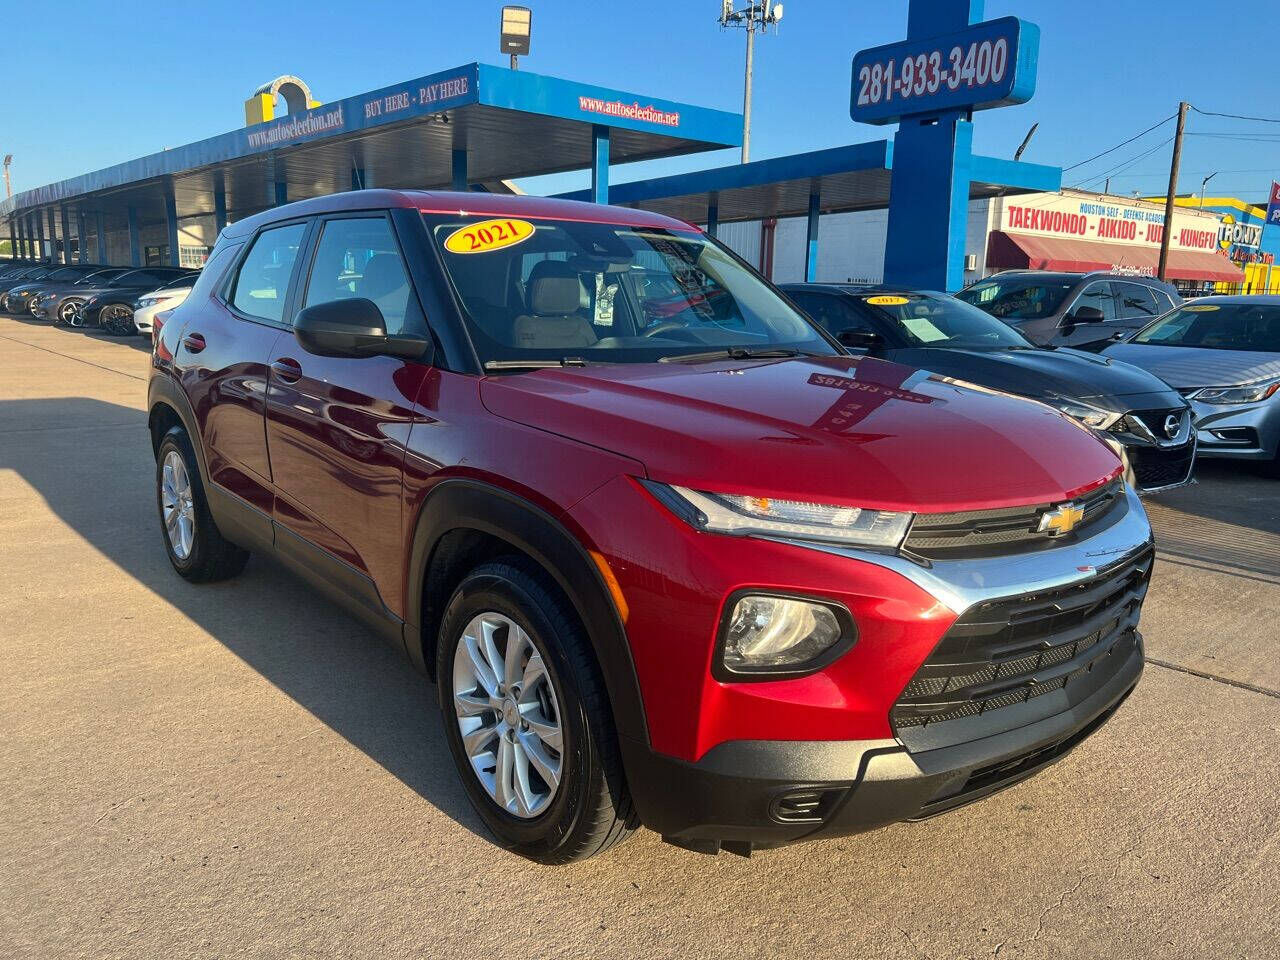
(116, 81)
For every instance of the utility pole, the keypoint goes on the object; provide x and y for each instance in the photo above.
(1167, 235)
(754, 16)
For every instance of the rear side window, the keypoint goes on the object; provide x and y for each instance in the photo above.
(263, 279)
(359, 257)
(1137, 301)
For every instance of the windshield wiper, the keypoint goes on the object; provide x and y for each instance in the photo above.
(534, 364)
(736, 353)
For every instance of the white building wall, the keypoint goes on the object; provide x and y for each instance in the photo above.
(982, 220)
(743, 238)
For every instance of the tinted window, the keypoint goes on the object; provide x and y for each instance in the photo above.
(1218, 326)
(1018, 298)
(66, 273)
(831, 311)
(1099, 296)
(359, 257)
(923, 320)
(1137, 301)
(263, 279)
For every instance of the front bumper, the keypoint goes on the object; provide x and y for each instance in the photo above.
(755, 794)
(1245, 431)
(750, 791)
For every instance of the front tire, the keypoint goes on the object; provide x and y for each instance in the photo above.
(527, 718)
(196, 548)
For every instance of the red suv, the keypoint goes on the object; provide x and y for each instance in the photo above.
(670, 555)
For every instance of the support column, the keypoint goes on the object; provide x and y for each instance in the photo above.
(66, 235)
(599, 164)
(39, 217)
(135, 241)
(20, 243)
(52, 220)
(219, 202)
(100, 229)
(171, 221)
(811, 247)
(713, 213)
(82, 234)
(460, 179)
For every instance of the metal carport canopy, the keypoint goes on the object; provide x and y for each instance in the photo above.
(473, 124)
(852, 177)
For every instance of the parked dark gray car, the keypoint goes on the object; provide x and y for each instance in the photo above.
(1082, 310)
(1223, 354)
(1143, 419)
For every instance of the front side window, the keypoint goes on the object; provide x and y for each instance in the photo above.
(1018, 298)
(263, 279)
(1218, 326)
(545, 290)
(359, 257)
(1099, 296)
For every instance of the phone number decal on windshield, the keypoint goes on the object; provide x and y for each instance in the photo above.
(987, 65)
(488, 235)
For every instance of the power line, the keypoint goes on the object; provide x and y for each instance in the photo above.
(1118, 145)
(1235, 116)
(1124, 165)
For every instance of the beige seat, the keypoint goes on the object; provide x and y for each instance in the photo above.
(553, 323)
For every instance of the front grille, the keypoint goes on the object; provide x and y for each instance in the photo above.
(977, 533)
(1011, 650)
(1154, 467)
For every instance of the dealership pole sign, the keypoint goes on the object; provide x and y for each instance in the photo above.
(987, 65)
(1273, 205)
(951, 64)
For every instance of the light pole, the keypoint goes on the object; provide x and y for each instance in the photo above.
(754, 16)
(1203, 184)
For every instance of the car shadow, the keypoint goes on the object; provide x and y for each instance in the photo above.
(92, 463)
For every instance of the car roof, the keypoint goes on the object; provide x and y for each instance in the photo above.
(485, 204)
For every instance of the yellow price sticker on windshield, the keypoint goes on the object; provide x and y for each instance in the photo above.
(885, 301)
(488, 235)
(1201, 308)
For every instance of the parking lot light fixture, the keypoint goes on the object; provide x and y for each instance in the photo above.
(517, 25)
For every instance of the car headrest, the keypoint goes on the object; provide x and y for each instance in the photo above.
(383, 273)
(554, 289)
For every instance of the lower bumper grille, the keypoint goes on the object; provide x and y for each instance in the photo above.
(1154, 467)
(1012, 650)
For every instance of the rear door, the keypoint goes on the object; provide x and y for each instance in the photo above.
(223, 356)
(1136, 306)
(337, 426)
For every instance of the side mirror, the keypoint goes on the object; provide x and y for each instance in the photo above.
(1086, 315)
(864, 340)
(354, 328)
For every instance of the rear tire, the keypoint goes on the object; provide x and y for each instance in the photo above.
(196, 548)
(569, 732)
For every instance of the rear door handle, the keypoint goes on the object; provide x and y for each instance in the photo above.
(193, 342)
(287, 370)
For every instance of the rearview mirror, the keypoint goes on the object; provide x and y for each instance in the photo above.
(354, 328)
(864, 340)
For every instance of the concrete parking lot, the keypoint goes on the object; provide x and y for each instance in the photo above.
(243, 770)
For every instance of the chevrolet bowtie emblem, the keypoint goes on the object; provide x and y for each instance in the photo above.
(1061, 520)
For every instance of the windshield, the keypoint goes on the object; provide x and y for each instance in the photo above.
(924, 320)
(1018, 298)
(1218, 326)
(549, 289)
(66, 273)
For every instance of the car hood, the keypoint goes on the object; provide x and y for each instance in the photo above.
(1185, 367)
(844, 430)
(1044, 374)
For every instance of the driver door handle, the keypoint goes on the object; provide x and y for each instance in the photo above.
(287, 370)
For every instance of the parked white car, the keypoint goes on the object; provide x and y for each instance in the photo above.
(165, 298)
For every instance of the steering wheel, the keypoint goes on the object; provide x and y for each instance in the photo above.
(662, 326)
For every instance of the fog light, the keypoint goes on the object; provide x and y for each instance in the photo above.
(775, 635)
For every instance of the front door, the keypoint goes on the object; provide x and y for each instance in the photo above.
(337, 426)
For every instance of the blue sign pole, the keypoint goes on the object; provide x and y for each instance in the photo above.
(950, 65)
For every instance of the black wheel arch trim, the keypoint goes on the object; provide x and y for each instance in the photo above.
(465, 504)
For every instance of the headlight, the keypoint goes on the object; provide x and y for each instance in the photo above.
(765, 516)
(1089, 416)
(780, 636)
(1245, 393)
(147, 302)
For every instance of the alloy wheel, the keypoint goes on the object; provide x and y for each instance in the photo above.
(117, 318)
(177, 505)
(508, 715)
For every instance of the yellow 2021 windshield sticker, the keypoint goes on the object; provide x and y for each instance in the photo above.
(887, 301)
(1201, 308)
(488, 235)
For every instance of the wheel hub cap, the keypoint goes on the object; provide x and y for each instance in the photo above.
(508, 715)
(176, 505)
